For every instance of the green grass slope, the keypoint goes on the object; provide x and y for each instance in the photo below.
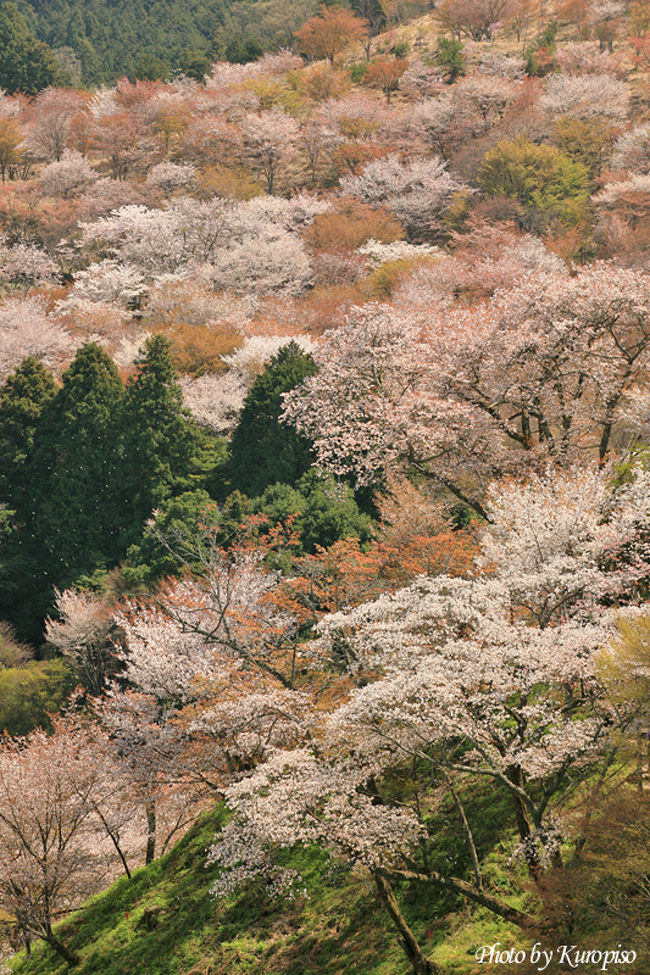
(164, 921)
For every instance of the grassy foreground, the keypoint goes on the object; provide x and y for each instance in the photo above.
(164, 921)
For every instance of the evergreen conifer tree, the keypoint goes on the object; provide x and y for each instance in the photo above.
(22, 399)
(265, 451)
(157, 435)
(75, 469)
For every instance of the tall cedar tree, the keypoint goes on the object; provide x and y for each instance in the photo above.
(75, 469)
(23, 398)
(265, 451)
(68, 518)
(157, 436)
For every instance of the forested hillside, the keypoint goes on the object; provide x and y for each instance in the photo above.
(325, 496)
(156, 38)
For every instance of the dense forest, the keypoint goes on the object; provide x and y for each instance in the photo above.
(325, 488)
(96, 41)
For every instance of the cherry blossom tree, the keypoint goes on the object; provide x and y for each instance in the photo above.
(25, 265)
(419, 193)
(482, 99)
(500, 65)
(432, 118)
(26, 328)
(168, 176)
(477, 19)
(491, 677)
(604, 15)
(230, 604)
(250, 247)
(215, 401)
(121, 136)
(50, 122)
(51, 854)
(105, 283)
(623, 206)
(585, 96)
(542, 371)
(583, 57)
(68, 176)
(83, 633)
(268, 138)
(204, 691)
(154, 773)
(632, 151)
(159, 241)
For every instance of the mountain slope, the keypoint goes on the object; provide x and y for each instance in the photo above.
(131, 37)
(164, 921)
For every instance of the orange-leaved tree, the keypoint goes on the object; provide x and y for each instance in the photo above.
(329, 32)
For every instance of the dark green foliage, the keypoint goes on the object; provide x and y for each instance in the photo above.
(85, 467)
(400, 49)
(239, 51)
(150, 68)
(320, 509)
(22, 400)
(151, 40)
(173, 538)
(194, 64)
(449, 56)
(156, 435)
(326, 510)
(153, 556)
(26, 63)
(461, 516)
(358, 71)
(65, 490)
(263, 450)
(76, 472)
(210, 462)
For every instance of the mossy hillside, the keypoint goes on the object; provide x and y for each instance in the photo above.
(165, 921)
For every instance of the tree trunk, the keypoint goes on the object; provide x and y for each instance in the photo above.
(115, 841)
(472, 893)
(151, 831)
(417, 958)
(66, 953)
(521, 812)
(468, 835)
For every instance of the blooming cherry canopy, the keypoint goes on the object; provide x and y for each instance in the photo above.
(543, 370)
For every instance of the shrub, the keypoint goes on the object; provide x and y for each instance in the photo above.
(540, 177)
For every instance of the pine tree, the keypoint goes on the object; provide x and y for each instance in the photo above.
(157, 435)
(23, 398)
(265, 451)
(75, 470)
